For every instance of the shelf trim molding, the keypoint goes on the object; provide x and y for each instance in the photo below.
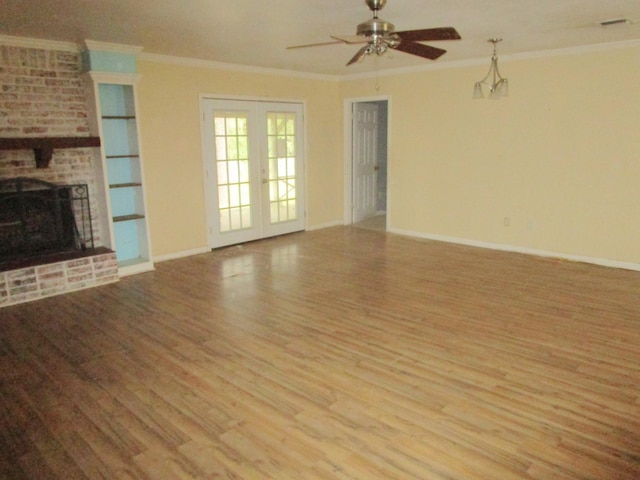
(127, 218)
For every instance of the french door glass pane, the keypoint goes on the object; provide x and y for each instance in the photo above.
(232, 158)
(281, 142)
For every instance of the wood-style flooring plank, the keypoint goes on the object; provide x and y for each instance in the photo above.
(342, 353)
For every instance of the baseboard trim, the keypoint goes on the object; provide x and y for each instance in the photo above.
(603, 262)
(181, 254)
(336, 223)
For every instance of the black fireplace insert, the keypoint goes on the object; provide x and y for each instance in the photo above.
(39, 219)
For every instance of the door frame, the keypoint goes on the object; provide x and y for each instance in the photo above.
(203, 146)
(348, 153)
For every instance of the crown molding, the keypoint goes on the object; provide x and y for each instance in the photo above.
(26, 42)
(111, 47)
(600, 47)
(193, 62)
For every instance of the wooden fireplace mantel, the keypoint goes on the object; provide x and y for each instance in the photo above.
(43, 146)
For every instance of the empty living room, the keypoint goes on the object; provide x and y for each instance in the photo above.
(339, 239)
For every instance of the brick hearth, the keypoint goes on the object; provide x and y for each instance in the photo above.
(35, 282)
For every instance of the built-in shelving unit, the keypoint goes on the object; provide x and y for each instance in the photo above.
(112, 81)
(122, 169)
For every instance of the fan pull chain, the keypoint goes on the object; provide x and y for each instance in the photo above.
(377, 85)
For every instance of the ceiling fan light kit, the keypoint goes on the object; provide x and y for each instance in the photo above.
(497, 85)
(380, 36)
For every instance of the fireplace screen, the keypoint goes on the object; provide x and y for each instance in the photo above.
(39, 218)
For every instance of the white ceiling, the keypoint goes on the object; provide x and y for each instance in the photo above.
(257, 32)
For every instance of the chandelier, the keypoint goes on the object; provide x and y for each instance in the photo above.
(497, 85)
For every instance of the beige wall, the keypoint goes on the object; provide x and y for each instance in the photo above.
(169, 104)
(560, 157)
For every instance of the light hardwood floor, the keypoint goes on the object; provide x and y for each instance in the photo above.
(341, 353)
(377, 223)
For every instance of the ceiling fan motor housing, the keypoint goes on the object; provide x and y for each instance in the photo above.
(375, 26)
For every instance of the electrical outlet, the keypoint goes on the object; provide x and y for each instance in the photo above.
(507, 221)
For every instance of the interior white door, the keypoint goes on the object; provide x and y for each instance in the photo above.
(253, 162)
(364, 159)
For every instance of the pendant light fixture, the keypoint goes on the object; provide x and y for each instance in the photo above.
(497, 85)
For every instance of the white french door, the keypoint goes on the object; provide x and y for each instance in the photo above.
(253, 162)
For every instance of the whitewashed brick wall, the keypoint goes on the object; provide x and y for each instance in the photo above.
(42, 94)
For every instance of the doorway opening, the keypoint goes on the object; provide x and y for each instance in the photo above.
(366, 154)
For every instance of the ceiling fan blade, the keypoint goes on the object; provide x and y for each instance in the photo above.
(429, 34)
(420, 50)
(361, 53)
(337, 40)
(320, 44)
(350, 39)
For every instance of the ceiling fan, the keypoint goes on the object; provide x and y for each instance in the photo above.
(380, 36)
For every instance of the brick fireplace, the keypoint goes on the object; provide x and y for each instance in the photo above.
(42, 95)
